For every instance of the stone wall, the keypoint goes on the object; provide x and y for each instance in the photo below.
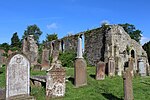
(65, 44)
(110, 41)
(94, 45)
(122, 47)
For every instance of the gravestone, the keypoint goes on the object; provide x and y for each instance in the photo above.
(127, 81)
(45, 59)
(17, 76)
(111, 66)
(30, 48)
(142, 67)
(55, 55)
(80, 73)
(55, 81)
(100, 71)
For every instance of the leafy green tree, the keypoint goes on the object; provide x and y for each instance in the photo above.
(132, 31)
(51, 37)
(15, 41)
(33, 30)
(146, 47)
(6, 48)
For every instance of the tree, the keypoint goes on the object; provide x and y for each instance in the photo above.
(6, 48)
(33, 30)
(51, 37)
(15, 41)
(132, 31)
(146, 47)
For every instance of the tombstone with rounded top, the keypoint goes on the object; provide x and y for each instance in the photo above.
(17, 76)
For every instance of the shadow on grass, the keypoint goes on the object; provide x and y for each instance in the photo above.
(71, 79)
(92, 76)
(145, 83)
(110, 96)
(1, 72)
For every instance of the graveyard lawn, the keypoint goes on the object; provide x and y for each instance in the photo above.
(111, 88)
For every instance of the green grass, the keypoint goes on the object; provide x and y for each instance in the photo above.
(108, 89)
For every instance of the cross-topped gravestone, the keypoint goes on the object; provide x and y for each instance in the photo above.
(17, 76)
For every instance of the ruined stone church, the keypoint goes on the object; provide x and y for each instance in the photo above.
(109, 43)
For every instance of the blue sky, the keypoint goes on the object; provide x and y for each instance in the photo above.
(71, 16)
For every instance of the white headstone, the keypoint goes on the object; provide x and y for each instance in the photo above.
(142, 68)
(17, 77)
(79, 48)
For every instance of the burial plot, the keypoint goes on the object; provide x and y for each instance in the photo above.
(17, 76)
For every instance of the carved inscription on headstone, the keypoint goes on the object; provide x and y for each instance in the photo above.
(17, 77)
(55, 85)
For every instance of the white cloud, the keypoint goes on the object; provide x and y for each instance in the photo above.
(70, 33)
(105, 22)
(144, 40)
(52, 26)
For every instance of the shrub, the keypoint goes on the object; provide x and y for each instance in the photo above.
(67, 58)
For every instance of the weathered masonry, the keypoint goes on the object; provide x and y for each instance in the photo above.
(104, 43)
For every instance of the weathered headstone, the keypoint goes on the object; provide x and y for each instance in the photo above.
(17, 76)
(55, 55)
(111, 66)
(80, 74)
(45, 59)
(30, 48)
(142, 67)
(55, 82)
(100, 71)
(127, 80)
